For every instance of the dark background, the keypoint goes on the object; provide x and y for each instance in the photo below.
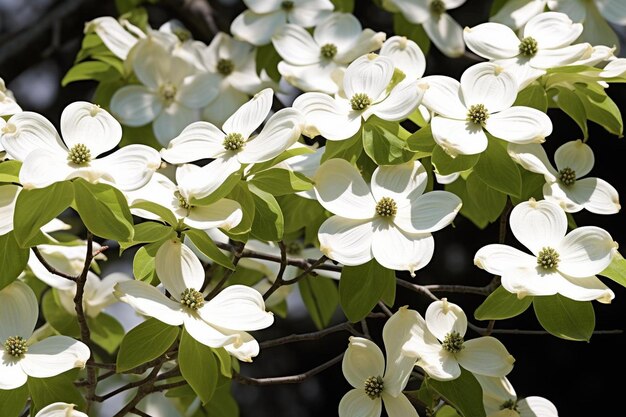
(38, 42)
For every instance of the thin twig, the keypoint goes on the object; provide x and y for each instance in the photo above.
(459, 289)
(50, 268)
(307, 271)
(139, 413)
(416, 288)
(345, 326)
(278, 281)
(144, 389)
(384, 308)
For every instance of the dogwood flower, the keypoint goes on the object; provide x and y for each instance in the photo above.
(88, 131)
(263, 18)
(389, 220)
(20, 357)
(8, 105)
(443, 30)
(483, 100)
(98, 293)
(516, 13)
(222, 321)
(559, 264)
(565, 185)
(406, 56)
(438, 343)
(366, 91)
(546, 42)
(8, 197)
(500, 400)
(60, 410)
(311, 61)
(113, 34)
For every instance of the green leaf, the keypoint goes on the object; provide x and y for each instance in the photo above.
(90, 70)
(349, 149)
(416, 33)
(143, 263)
(268, 223)
(106, 331)
(198, 366)
(361, 287)
(344, 6)
(496, 169)
(222, 404)
(446, 165)
(10, 171)
(447, 411)
(279, 181)
(145, 342)
(573, 107)
(384, 147)
(564, 317)
(533, 96)
(321, 297)
(143, 135)
(294, 151)
(463, 393)
(165, 214)
(496, 6)
(241, 194)
(422, 141)
(225, 360)
(488, 201)
(60, 388)
(501, 305)
(615, 271)
(469, 210)
(13, 401)
(204, 244)
(601, 110)
(267, 59)
(104, 210)
(148, 232)
(57, 316)
(222, 191)
(13, 259)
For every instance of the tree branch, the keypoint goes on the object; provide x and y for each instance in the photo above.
(345, 326)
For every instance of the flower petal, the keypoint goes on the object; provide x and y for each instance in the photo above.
(88, 124)
(442, 95)
(27, 131)
(315, 77)
(596, 195)
(537, 406)
(406, 56)
(42, 168)
(441, 366)
(357, 403)
(537, 224)
(280, 132)
(347, 241)
(239, 308)
(60, 409)
(402, 100)
(458, 137)
(218, 111)
(172, 120)
(11, 374)
(370, 75)
(533, 280)
(398, 250)
(206, 334)
(520, 124)
(498, 259)
(223, 213)
(399, 366)
(429, 212)
(532, 157)
(245, 348)
(404, 183)
(19, 310)
(492, 40)
(130, 167)
(443, 317)
(562, 195)
(149, 301)
(178, 268)
(519, 67)
(327, 117)
(257, 29)
(296, 46)
(198, 90)
(363, 359)
(211, 176)
(486, 356)
(486, 83)
(422, 342)
(586, 251)
(135, 105)
(550, 58)
(516, 13)
(160, 190)
(113, 35)
(197, 141)
(53, 356)
(575, 155)
(552, 30)
(8, 197)
(446, 34)
(585, 289)
(399, 406)
(250, 116)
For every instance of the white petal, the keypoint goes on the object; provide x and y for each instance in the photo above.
(498, 259)
(60, 409)
(27, 131)
(178, 267)
(486, 356)
(486, 83)
(160, 190)
(399, 406)
(416, 12)
(237, 307)
(552, 30)
(357, 403)
(399, 366)
(575, 155)
(216, 172)
(422, 342)
(596, 195)
(90, 125)
(8, 197)
(310, 13)
(257, 29)
(341, 190)
(585, 251)
(151, 63)
(406, 56)
(172, 120)
(404, 183)
(585, 289)
(198, 90)
(207, 334)
(458, 137)
(533, 158)
(113, 34)
(516, 13)
(401, 101)
(615, 68)
(363, 359)
(250, 116)
(18, 311)
(327, 117)
(521, 70)
(441, 366)
(443, 317)
(53, 356)
(597, 31)
(446, 34)
(296, 46)
(219, 110)
(315, 77)
(370, 75)
(537, 224)
(562, 195)
(492, 40)
(347, 241)
(149, 301)
(520, 124)
(533, 280)
(429, 212)
(134, 105)
(443, 96)
(399, 250)
(197, 141)
(130, 167)
(11, 374)
(538, 406)
(280, 132)
(42, 168)
(245, 348)
(223, 213)
(548, 58)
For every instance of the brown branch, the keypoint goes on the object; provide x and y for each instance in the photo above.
(278, 281)
(345, 326)
(50, 268)
(197, 15)
(143, 389)
(462, 289)
(416, 288)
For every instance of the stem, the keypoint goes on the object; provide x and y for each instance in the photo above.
(345, 326)
(50, 268)
(278, 282)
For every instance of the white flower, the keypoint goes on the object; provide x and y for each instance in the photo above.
(546, 42)
(88, 131)
(310, 61)
(365, 92)
(483, 100)
(500, 400)
(389, 220)
(8, 105)
(19, 356)
(559, 264)
(161, 190)
(97, 296)
(374, 381)
(222, 321)
(171, 92)
(442, 29)
(438, 343)
(114, 36)
(565, 185)
(306, 164)
(8, 197)
(60, 410)
(258, 24)
(406, 56)
(516, 13)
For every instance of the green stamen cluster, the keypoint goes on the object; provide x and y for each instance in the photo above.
(329, 50)
(477, 114)
(192, 299)
(286, 5)
(528, 47)
(548, 258)
(182, 34)
(567, 176)
(360, 101)
(233, 142)
(386, 207)
(15, 346)
(374, 387)
(453, 342)
(225, 66)
(509, 404)
(79, 154)
(182, 201)
(167, 93)
(437, 7)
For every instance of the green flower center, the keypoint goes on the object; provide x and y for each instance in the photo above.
(79, 154)
(509, 404)
(477, 114)
(233, 142)
(453, 342)
(167, 93)
(386, 207)
(567, 176)
(374, 387)
(286, 5)
(329, 51)
(225, 66)
(528, 47)
(16, 346)
(192, 299)
(182, 201)
(548, 258)
(360, 101)
(437, 7)
(182, 34)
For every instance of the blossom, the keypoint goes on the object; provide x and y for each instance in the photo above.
(560, 263)
(263, 18)
(546, 42)
(8, 105)
(88, 131)
(406, 56)
(20, 356)
(442, 29)
(483, 100)
(113, 34)
(389, 220)
(222, 321)
(565, 185)
(438, 343)
(60, 409)
(8, 198)
(367, 90)
(311, 61)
